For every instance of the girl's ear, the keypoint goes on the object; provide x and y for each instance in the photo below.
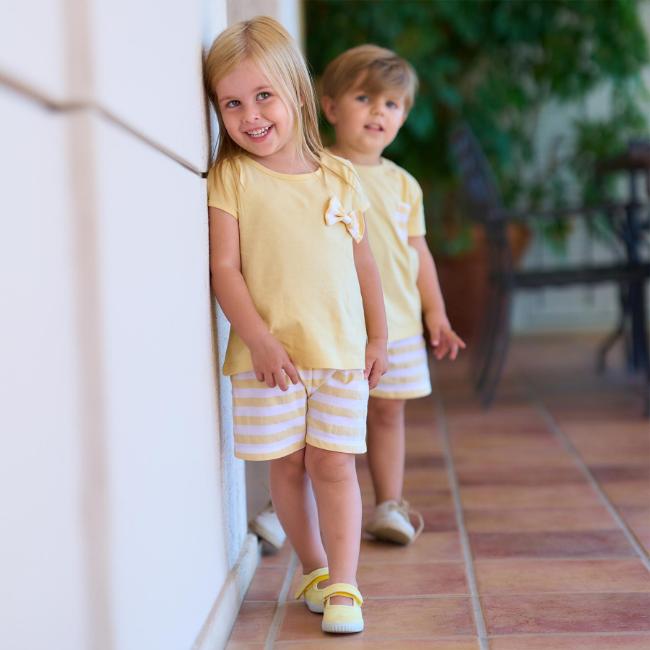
(329, 109)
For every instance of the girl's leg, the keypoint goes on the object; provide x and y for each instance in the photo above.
(334, 478)
(295, 506)
(386, 447)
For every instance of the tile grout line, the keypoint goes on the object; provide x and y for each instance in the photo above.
(570, 448)
(441, 423)
(447, 596)
(278, 615)
(571, 635)
(559, 558)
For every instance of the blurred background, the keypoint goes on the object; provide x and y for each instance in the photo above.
(549, 88)
(122, 510)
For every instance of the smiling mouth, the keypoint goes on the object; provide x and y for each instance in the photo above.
(374, 127)
(259, 133)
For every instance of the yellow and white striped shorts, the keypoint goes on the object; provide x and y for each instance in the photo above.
(408, 371)
(327, 409)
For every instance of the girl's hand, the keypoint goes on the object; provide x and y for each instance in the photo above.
(443, 339)
(376, 361)
(271, 363)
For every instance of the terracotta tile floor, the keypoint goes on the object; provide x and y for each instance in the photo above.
(537, 521)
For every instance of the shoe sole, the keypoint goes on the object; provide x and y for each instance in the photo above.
(391, 535)
(342, 628)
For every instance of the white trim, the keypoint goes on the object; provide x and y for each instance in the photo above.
(216, 629)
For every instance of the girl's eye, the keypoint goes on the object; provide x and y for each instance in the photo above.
(232, 103)
(362, 98)
(263, 95)
(391, 104)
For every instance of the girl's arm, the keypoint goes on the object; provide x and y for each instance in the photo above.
(443, 337)
(373, 308)
(270, 359)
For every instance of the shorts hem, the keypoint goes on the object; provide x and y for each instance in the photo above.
(281, 453)
(331, 446)
(396, 395)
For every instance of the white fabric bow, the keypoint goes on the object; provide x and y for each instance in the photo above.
(353, 222)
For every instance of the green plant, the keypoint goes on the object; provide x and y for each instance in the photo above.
(498, 64)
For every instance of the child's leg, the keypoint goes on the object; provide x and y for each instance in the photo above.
(333, 475)
(295, 506)
(386, 447)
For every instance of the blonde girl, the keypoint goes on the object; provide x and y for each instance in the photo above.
(292, 269)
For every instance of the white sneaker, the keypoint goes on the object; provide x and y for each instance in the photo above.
(391, 523)
(267, 526)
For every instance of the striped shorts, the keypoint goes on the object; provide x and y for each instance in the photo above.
(408, 371)
(327, 409)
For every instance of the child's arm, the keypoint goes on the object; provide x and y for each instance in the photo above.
(270, 359)
(374, 311)
(443, 337)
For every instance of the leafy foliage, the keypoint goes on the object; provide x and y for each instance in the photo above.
(497, 64)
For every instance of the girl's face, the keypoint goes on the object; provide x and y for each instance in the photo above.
(255, 116)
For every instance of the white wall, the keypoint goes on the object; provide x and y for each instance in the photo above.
(44, 589)
(23, 39)
(147, 70)
(288, 12)
(166, 548)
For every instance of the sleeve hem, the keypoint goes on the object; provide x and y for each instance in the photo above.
(230, 211)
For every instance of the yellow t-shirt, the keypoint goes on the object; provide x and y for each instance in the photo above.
(299, 270)
(396, 213)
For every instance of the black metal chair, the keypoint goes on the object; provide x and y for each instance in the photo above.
(483, 202)
(631, 226)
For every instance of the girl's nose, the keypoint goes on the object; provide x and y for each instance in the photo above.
(251, 114)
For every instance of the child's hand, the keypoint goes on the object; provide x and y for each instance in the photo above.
(271, 363)
(376, 361)
(443, 339)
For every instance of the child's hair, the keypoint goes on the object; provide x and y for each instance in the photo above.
(268, 45)
(382, 70)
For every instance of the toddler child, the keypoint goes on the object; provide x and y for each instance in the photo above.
(293, 272)
(366, 95)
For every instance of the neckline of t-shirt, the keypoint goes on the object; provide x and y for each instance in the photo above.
(383, 162)
(292, 177)
(373, 169)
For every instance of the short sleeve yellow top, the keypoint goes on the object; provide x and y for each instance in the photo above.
(296, 234)
(396, 213)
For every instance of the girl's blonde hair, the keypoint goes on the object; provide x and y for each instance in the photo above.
(382, 70)
(268, 45)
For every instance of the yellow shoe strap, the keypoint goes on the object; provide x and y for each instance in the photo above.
(313, 578)
(343, 589)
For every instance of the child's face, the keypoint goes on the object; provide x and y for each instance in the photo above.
(255, 116)
(365, 124)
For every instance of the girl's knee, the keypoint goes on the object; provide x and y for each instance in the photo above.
(386, 410)
(325, 465)
(292, 465)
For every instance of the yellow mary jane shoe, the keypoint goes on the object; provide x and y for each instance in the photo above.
(342, 619)
(309, 589)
